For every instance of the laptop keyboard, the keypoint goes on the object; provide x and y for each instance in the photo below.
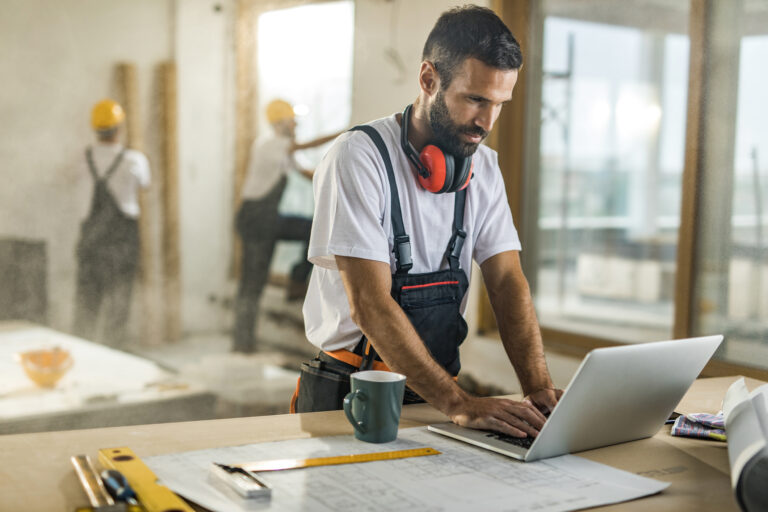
(524, 442)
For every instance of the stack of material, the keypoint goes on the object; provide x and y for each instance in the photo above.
(746, 421)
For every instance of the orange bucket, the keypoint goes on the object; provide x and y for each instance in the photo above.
(45, 366)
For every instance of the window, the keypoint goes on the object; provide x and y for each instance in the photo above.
(612, 142)
(732, 260)
(302, 61)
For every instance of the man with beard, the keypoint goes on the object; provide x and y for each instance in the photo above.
(403, 205)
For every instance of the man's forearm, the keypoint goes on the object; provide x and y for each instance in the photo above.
(520, 334)
(401, 348)
(368, 284)
(516, 317)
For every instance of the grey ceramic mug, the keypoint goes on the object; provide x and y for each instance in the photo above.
(373, 406)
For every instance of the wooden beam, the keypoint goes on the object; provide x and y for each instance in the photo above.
(129, 89)
(508, 137)
(170, 205)
(685, 275)
(129, 85)
(245, 98)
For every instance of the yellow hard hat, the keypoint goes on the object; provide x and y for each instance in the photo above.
(279, 110)
(106, 114)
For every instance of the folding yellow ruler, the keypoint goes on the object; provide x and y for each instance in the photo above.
(280, 464)
(154, 496)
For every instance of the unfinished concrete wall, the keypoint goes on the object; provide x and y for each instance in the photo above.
(57, 59)
(206, 88)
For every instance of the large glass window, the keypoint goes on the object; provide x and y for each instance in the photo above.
(319, 87)
(732, 297)
(611, 160)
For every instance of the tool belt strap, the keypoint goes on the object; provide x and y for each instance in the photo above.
(345, 356)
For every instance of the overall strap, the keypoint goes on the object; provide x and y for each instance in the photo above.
(402, 243)
(91, 165)
(115, 165)
(456, 243)
(112, 168)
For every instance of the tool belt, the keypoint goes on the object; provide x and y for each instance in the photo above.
(324, 381)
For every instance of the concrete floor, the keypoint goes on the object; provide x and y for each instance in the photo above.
(246, 384)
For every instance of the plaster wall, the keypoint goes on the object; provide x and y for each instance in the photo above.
(206, 88)
(57, 59)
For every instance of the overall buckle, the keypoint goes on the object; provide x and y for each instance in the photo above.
(402, 250)
(455, 245)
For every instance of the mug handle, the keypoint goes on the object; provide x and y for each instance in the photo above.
(357, 393)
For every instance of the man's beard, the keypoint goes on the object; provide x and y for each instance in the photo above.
(446, 134)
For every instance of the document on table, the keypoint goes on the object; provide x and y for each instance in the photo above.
(462, 477)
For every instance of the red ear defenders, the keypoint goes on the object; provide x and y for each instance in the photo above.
(438, 171)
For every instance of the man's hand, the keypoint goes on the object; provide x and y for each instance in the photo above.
(545, 400)
(517, 419)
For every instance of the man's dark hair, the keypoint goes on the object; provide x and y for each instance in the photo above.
(470, 32)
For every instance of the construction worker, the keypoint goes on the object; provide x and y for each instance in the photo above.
(108, 247)
(402, 207)
(259, 223)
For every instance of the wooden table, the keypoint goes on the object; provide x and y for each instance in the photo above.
(36, 474)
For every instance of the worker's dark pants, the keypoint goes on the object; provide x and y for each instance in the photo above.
(104, 284)
(260, 227)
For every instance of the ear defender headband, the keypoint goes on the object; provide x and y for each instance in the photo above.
(438, 171)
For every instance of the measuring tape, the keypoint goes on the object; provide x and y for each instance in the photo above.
(280, 464)
(152, 495)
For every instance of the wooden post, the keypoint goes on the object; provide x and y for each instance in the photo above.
(128, 82)
(509, 135)
(510, 127)
(690, 207)
(170, 205)
(245, 55)
(704, 237)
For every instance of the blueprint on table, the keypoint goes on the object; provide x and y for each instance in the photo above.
(462, 477)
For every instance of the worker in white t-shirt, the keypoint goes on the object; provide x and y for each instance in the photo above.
(259, 223)
(108, 247)
(402, 206)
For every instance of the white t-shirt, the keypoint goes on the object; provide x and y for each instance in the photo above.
(269, 161)
(352, 218)
(132, 173)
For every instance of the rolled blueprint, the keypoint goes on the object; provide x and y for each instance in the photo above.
(746, 425)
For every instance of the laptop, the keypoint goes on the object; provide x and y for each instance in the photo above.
(618, 394)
